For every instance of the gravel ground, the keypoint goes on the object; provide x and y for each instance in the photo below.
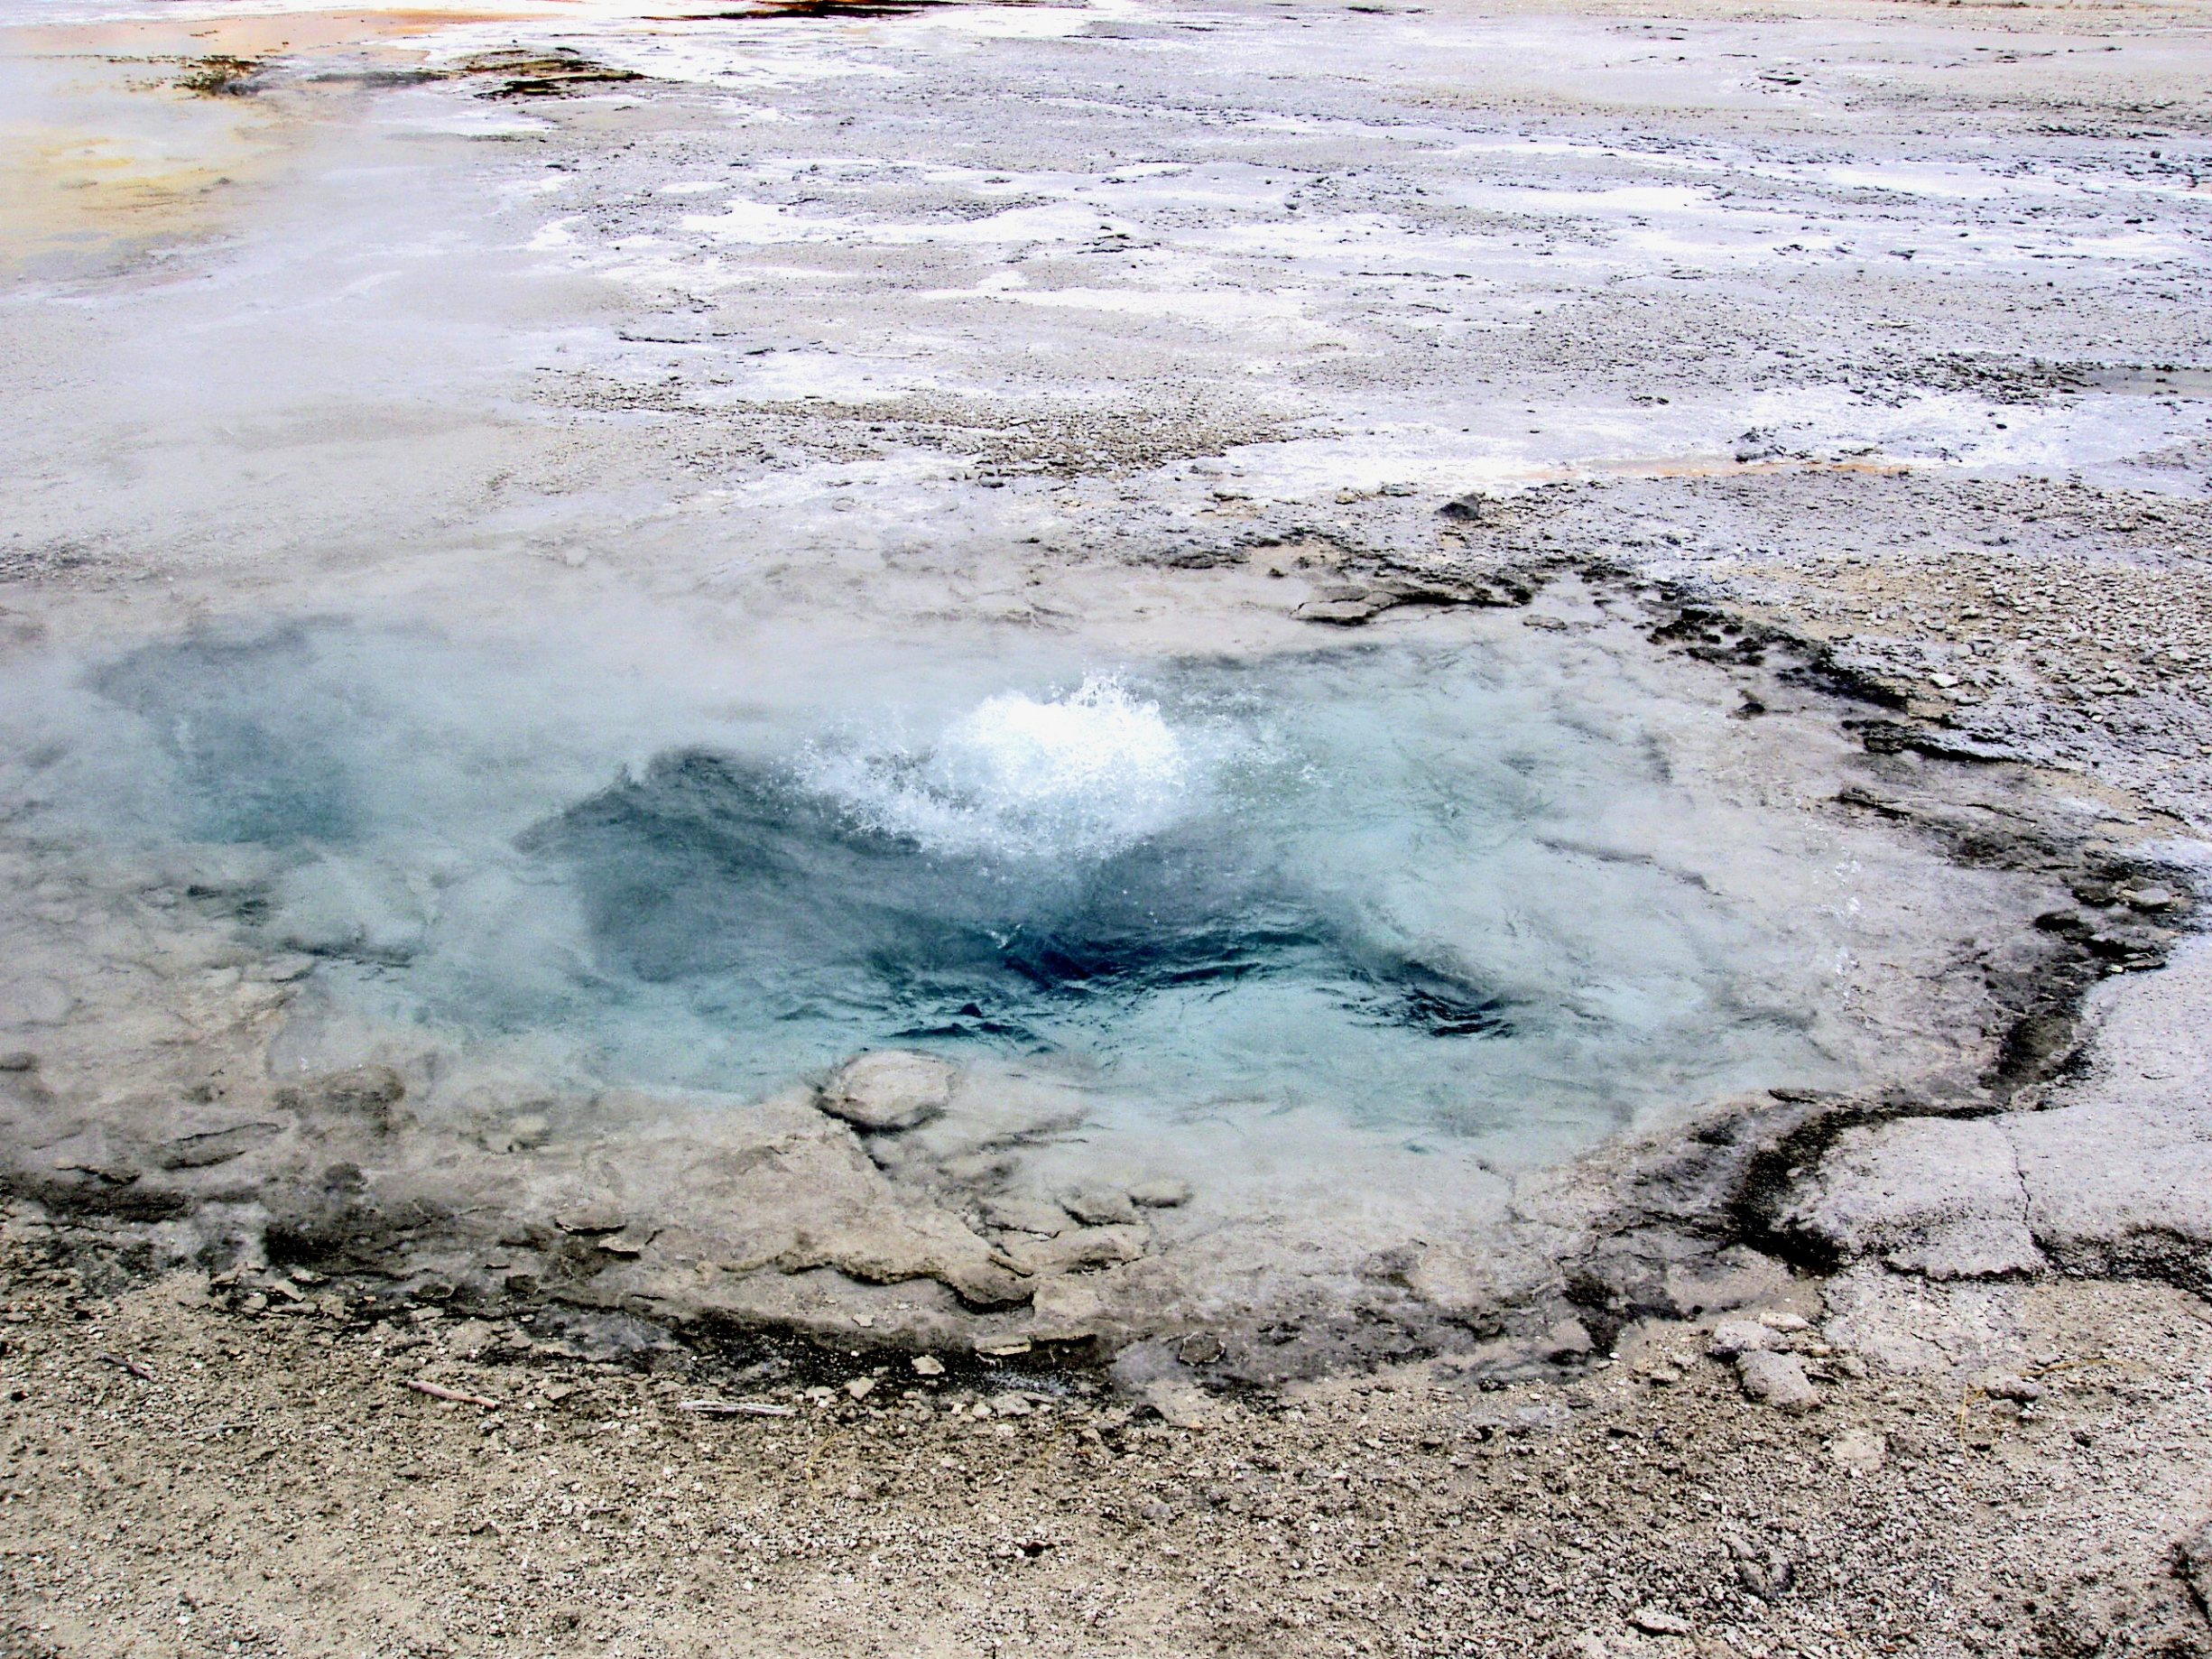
(183, 1482)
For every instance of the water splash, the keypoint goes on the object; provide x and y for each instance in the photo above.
(1081, 777)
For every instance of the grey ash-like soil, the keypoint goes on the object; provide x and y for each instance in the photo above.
(178, 1480)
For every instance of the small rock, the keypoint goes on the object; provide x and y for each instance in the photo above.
(1655, 1621)
(1201, 1347)
(1769, 1579)
(889, 1090)
(596, 1216)
(1778, 1379)
(2005, 1386)
(1026, 1215)
(1183, 1405)
(1087, 1246)
(468, 1338)
(1568, 1340)
(2149, 898)
(214, 1147)
(1733, 1337)
(860, 1387)
(1861, 1449)
(531, 1129)
(1101, 1207)
(927, 1365)
(1002, 1348)
(1164, 1194)
(1066, 1309)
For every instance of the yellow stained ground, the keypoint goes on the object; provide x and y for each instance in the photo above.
(102, 153)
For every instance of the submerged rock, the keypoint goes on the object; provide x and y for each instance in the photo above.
(1166, 1193)
(1084, 1246)
(1100, 1206)
(889, 1090)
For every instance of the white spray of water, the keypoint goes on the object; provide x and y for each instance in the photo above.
(1077, 776)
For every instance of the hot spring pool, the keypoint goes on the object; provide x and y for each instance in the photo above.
(1492, 888)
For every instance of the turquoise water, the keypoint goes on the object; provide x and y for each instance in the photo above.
(1449, 889)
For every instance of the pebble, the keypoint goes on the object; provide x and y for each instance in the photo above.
(468, 1338)
(1777, 1379)
(598, 1216)
(1733, 1337)
(890, 1089)
(927, 1365)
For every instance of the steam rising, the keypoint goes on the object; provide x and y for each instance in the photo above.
(1460, 889)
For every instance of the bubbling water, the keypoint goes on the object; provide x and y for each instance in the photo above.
(1458, 889)
(1079, 777)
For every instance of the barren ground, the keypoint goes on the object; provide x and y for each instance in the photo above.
(1842, 369)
